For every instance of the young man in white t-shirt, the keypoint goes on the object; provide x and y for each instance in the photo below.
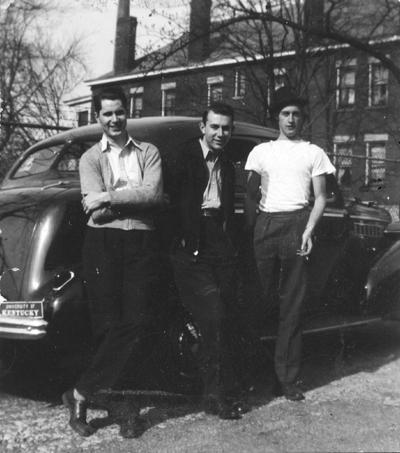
(284, 171)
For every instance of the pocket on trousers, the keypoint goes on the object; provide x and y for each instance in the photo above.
(259, 229)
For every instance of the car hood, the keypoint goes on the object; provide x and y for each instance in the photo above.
(364, 211)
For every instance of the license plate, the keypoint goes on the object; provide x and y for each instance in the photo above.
(22, 309)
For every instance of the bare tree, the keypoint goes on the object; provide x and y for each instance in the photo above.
(298, 43)
(34, 75)
(354, 23)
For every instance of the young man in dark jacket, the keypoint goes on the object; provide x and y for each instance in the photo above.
(204, 258)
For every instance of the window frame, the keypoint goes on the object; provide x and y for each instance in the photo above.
(167, 88)
(240, 82)
(373, 62)
(135, 94)
(83, 112)
(347, 141)
(280, 80)
(349, 65)
(215, 82)
(372, 140)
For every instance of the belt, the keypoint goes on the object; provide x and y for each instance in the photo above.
(284, 213)
(210, 212)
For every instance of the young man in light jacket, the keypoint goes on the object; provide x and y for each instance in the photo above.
(121, 183)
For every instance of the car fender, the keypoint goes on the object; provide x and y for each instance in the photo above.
(382, 289)
(68, 311)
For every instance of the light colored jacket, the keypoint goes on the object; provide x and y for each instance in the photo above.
(129, 208)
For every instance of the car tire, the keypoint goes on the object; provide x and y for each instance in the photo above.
(185, 341)
(176, 357)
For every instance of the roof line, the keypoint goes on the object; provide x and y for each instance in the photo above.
(78, 99)
(225, 62)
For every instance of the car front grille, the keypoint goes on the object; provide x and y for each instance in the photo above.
(367, 229)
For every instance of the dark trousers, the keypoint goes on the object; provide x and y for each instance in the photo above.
(121, 274)
(207, 287)
(277, 238)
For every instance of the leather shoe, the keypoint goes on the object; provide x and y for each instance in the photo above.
(223, 409)
(122, 411)
(77, 414)
(292, 392)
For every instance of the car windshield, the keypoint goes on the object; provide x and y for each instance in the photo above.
(60, 157)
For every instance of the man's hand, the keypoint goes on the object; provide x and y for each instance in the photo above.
(95, 200)
(306, 243)
(315, 215)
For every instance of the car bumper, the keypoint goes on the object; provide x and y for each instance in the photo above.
(22, 328)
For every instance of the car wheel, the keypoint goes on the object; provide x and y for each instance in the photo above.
(180, 348)
(186, 342)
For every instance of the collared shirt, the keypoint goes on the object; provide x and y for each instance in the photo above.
(120, 183)
(212, 193)
(124, 163)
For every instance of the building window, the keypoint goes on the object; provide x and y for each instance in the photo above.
(343, 159)
(168, 98)
(375, 171)
(280, 80)
(169, 102)
(375, 168)
(345, 83)
(136, 106)
(378, 83)
(83, 117)
(215, 93)
(240, 85)
(136, 102)
(214, 89)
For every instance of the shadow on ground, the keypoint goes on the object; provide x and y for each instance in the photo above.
(326, 358)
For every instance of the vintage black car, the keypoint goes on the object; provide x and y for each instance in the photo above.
(42, 298)
(382, 288)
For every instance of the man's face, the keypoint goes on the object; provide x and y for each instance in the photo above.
(112, 117)
(290, 121)
(217, 130)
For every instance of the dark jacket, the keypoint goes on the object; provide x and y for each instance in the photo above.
(186, 183)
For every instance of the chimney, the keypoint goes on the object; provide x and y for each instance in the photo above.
(199, 32)
(125, 38)
(314, 13)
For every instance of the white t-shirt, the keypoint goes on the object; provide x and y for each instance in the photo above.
(286, 168)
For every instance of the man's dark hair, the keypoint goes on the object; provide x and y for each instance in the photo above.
(220, 108)
(283, 97)
(113, 93)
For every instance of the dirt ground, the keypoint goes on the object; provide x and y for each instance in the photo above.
(352, 384)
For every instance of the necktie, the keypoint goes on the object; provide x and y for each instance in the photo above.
(210, 157)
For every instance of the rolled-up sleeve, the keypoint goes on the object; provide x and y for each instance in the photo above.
(253, 161)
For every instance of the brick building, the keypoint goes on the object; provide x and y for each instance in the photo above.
(353, 98)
